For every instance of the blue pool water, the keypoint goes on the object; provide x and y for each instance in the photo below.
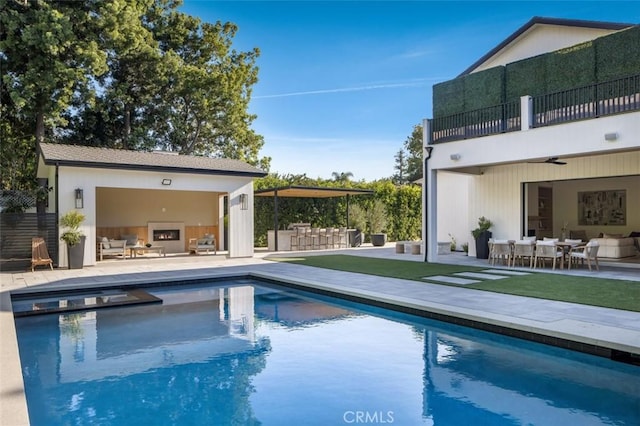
(246, 353)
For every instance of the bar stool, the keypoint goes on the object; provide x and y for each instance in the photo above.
(327, 238)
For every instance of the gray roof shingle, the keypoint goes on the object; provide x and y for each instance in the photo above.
(87, 156)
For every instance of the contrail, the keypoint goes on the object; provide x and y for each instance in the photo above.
(345, 89)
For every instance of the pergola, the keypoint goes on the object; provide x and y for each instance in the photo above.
(307, 192)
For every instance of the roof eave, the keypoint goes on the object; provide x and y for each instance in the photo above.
(548, 21)
(152, 168)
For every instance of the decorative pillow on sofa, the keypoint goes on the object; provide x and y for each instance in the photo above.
(105, 243)
(132, 239)
(634, 234)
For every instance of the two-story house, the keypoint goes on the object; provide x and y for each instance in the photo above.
(541, 136)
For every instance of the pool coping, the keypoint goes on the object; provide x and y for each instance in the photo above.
(13, 409)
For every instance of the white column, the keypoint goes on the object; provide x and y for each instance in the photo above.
(526, 113)
(429, 185)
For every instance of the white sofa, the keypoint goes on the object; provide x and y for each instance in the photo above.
(616, 247)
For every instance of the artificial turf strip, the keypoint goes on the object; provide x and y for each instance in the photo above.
(617, 294)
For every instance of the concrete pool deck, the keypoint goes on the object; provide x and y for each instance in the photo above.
(590, 325)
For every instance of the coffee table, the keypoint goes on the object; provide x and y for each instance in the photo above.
(141, 250)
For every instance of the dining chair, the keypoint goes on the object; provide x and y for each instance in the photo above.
(548, 250)
(588, 252)
(523, 249)
(501, 251)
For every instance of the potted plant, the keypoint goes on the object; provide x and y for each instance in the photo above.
(377, 219)
(358, 221)
(481, 234)
(74, 238)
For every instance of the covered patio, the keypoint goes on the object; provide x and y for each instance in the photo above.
(299, 191)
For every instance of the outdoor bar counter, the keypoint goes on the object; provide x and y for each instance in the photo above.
(284, 239)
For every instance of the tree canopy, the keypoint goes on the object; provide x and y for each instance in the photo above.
(121, 74)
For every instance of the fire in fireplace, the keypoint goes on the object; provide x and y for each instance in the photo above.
(166, 235)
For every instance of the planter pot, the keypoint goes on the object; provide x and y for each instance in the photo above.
(355, 238)
(378, 240)
(75, 254)
(482, 245)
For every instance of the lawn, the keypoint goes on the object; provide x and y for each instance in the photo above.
(617, 294)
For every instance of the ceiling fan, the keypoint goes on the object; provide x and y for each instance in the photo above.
(550, 160)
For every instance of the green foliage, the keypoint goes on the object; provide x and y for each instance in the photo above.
(526, 77)
(484, 224)
(400, 166)
(122, 74)
(571, 67)
(72, 221)
(618, 54)
(401, 203)
(484, 88)
(453, 243)
(377, 217)
(414, 158)
(357, 218)
(448, 98)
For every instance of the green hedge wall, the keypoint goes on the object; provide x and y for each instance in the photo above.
(618, 55)
(606, 58)
(528, 76)
(484, 89)
(448, 97)
(571, 67)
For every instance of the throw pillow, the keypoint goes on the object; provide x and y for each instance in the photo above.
(634, 234)
(105, 243)
(132, 239)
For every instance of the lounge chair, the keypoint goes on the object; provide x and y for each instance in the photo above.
(206, 244)
(39, 253)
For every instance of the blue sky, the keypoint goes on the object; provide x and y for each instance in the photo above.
(341, 84)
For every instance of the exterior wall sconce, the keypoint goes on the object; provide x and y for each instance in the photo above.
(79, 199)
(610, 136)
(166, 182)
(244, 202)
(455, 157)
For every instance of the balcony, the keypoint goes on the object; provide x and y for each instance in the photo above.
(597, 100)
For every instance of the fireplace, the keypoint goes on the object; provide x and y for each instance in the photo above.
(170, 235)
(166, 235)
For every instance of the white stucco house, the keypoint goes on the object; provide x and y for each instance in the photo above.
(152, 195)
(567, 92)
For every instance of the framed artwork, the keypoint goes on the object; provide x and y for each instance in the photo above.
(602, 207)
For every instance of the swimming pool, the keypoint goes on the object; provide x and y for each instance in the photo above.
(247, 352)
